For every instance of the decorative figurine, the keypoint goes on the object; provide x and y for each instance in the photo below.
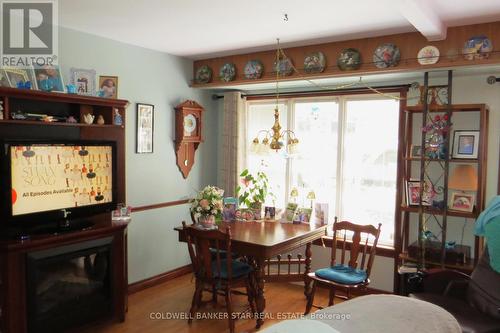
(24, 85)
(117, 118)
(71, 88)
(18, 115)
(88, 118)
(71, 120)
(100, 120)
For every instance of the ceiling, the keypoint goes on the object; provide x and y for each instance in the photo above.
(200, 29)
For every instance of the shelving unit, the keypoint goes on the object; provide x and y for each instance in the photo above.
(440, 168)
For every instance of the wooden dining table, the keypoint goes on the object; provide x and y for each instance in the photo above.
(260, 241)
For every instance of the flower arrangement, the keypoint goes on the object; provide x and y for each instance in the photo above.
(207, 202)
(253, 189)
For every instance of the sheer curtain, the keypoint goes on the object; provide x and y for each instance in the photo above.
(233, 142)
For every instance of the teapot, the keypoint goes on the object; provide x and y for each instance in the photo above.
(88, 118)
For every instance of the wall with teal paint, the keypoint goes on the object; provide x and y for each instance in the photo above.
(163, 80)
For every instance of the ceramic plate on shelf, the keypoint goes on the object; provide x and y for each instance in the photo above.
(349, 59)
(428, 55)
(227, 72)
(314, 62)
(477, 47)
(254, 69)
(204, 74)
(386, 55)
(284, 65)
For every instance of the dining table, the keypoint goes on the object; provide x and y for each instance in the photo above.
(261, 240)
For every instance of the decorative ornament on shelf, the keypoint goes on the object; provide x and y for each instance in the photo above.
(477, 48)
(314, 62)
(253, 191)
(437, 130)
(227, 72)
(274, 138)
(204, 74)
(254, 69)
(117, 117)
(88, 118)
(207, 206)
(349, 60)
(386, 55)
(100, 120)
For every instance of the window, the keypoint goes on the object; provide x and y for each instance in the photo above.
(348, 156)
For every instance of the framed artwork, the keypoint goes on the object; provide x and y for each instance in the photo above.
(83, 80)
(413, 193)
(145, 120)
(48, 78)
(108, 86)
(465, 144)
(4, 80)
(14, 76)
(415, 151)
(462, 201)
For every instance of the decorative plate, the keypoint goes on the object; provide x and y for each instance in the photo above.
(204, 74)
(428, 55)
(349, 59)
(227, 72)
(478, 47)
(254, 69)
(285, 66)
(386, 55)
(314, 62)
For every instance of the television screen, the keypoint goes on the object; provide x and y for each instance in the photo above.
(47, 177)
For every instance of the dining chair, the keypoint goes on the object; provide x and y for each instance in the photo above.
(209, 251)
(346, 275)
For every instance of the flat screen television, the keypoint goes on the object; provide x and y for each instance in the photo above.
(43, 182)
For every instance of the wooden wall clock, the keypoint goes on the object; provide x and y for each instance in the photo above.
(188, 118)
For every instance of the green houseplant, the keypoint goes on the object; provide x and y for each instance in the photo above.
(253, 191)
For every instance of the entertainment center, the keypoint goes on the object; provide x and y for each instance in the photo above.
(63, 261)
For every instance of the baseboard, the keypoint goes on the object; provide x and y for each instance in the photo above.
(158, 279)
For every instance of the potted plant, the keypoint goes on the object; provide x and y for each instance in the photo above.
(253, 191)
(207, 205)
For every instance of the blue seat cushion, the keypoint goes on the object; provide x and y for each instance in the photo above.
(222, 254)
(238, 269)
(342, 274)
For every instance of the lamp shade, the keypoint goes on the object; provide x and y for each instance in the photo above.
(464, 178)
(311, 195)
(294, 193)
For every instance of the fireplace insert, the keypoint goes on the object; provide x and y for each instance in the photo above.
(69, 286)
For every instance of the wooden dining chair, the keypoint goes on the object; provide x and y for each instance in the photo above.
(209, 251)
(339, 274)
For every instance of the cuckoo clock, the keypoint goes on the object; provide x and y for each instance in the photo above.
(187, 134)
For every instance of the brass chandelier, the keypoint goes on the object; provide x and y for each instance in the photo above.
(274, 138)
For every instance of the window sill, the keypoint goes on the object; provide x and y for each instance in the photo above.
(382, 250)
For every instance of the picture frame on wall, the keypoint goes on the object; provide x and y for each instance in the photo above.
(416, 151)
(465, 144)
(108, 86)
(48, 78)
(145, 127)
(462, 201)
(84, 81)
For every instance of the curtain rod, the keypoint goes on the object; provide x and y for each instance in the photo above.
(322, 91)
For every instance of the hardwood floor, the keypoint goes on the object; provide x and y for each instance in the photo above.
(283, 301)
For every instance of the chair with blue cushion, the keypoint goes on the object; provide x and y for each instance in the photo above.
(213, 267)
(346, 275)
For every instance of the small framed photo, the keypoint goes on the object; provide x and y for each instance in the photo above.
(48, 78)
(462, 201)
(415, 151)
(465, 144)
(413, 193)
(84, 81)
(14, 76)
(145, 126)
(108, 86)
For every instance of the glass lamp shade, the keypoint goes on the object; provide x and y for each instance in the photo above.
(254, 146)
(463, 178)
(311, 195)
(294, 193)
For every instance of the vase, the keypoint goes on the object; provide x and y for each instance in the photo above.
(207, 221)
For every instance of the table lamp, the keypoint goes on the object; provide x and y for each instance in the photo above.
(311, 196)
(294, 194)
(463, 178)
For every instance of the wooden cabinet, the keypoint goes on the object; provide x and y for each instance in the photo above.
(416, 220)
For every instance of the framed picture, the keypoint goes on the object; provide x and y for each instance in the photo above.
(13, 76)
(465, 144)
(108, 86)
(462, 201)
(4, 80)
(145, 118)
(48, 78)
(413, 193)
(415, 151)
(83, 80)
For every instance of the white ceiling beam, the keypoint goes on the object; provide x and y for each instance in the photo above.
(421, 15)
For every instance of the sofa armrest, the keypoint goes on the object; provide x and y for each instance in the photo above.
(445, 281)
